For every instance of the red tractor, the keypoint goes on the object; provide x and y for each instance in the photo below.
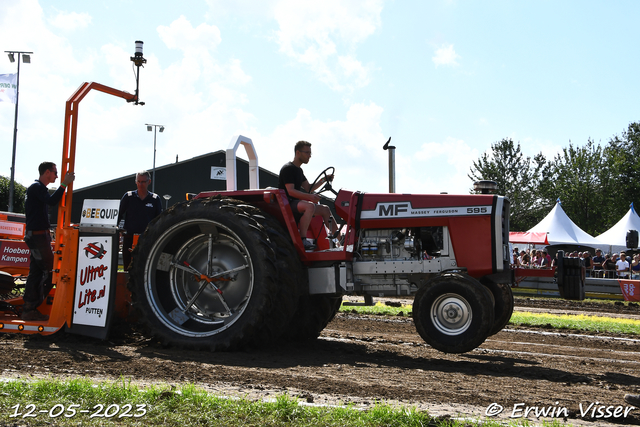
(228, 269)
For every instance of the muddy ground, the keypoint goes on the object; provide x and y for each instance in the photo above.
(366, 359)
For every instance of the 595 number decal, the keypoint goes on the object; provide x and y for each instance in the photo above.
(478, 210)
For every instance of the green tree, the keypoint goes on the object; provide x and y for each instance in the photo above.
(622, 155)
(20, 191)
(580, 178)
(518, 177)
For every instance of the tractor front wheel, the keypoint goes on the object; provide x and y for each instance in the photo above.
(453, 313)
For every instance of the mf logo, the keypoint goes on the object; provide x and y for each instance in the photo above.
(393, 209)
(94, 250)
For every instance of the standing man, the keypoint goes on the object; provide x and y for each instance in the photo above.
(137, 209)
(609, 266)
(597, 263)
(586, 257)
(38, 238)
(300, 193)
(622, 266)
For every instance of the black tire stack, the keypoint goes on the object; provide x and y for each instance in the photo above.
(570, 277)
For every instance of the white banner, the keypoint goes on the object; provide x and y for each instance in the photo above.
(93, 280)
(100, 211)
(11, 229)
(8, 87)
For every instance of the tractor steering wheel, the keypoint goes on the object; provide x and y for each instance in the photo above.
(327, 184)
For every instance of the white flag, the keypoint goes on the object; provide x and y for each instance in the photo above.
(8, 86)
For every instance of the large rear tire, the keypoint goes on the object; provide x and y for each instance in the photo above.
(290, 271)
(206, 274)
(453, 313)
(313, 315)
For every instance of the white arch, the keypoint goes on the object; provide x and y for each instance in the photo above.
(232, 179)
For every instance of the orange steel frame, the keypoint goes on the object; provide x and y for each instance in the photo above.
(67, 236)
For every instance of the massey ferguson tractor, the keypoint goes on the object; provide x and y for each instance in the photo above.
(227, 270)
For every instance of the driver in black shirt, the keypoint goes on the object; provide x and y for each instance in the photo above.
(300, 193)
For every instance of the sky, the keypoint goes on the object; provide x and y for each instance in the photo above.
(444, 79)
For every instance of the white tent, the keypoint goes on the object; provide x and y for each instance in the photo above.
(616, 236)
(562, 231)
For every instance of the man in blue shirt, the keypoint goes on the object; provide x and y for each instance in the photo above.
(38, 238)
(137, 209)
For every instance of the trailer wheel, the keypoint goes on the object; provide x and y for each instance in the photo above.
(453, 313)
(503, 309)
(313, 315)
(6, 283)
(205, 275)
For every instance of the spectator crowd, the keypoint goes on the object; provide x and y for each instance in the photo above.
(611, 266)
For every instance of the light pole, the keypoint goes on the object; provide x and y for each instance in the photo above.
(167, 197)
(26, 58)
(151, 127)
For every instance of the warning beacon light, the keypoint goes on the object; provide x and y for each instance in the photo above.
(138, 60)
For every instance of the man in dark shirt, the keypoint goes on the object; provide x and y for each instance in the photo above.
(137, 209)
(597, 263)
(300, 193)
(38, 238)
(609, 266)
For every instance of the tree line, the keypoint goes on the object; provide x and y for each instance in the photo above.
(19, 193)
(595, 183)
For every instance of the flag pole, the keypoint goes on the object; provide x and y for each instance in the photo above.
(25, 56)
(15, 139)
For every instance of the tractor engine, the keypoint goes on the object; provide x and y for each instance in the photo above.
(408, 244)
(396, 261)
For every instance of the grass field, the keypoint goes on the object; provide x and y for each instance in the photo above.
(83, 403)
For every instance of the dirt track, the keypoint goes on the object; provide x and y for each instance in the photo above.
(361, 360)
